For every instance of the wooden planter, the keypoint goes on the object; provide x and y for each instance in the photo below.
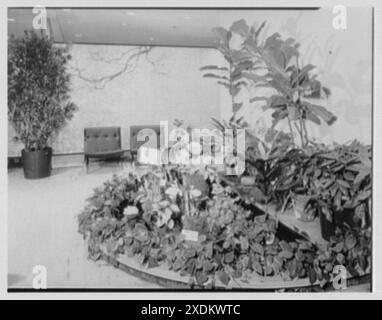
(169, 279)
(289, 228)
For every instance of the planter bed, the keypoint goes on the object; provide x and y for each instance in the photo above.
(208, 237)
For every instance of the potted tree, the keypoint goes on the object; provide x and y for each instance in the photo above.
(38, 97)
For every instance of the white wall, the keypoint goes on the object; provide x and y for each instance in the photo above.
(169, 85)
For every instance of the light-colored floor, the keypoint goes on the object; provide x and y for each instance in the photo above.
(42, 230)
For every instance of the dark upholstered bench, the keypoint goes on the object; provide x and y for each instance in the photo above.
(102, 143)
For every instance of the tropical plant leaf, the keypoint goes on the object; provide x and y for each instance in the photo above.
(224, 277)
(254, 77)
(223, 35)
(201, 277)
(218, 124)
(321, 112)
(255, 99)
(212, 75)
(364, 195)
(261, 27)
(258, 248)
(304, 71)
(240, 27)
(224, 84)
(213, 67)
(361, 176)
(276, 101)
(237, 106)
(239, 56)
(312, 117)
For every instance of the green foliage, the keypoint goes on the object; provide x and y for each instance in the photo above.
(345, 181)
(38, 89)
(294, 84)
(232, 242)
(239, 62)
(335, 177)
(272, 63)
(349, 248)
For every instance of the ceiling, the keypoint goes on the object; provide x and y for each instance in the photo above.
(160, 27)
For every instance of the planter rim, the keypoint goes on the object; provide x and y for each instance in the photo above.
(41, 150)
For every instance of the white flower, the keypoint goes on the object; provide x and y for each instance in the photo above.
(171, 224)
(130, 210)
(167, 214)
(270, 239)
(195, 193)
(164, 203)
(172, 192)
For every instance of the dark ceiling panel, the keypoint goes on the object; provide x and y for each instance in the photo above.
(160, 27)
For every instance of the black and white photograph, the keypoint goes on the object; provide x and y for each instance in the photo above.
(190, 149)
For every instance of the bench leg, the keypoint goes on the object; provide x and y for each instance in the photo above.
(87, 164)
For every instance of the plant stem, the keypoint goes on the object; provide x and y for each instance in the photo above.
(291, 129)
(302, 133)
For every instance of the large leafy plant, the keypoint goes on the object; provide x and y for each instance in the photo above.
(273, 63)
(232, 76)
(38, 89)
(294, 84)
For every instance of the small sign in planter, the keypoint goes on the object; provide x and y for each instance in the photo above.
(247, 181)
(190, 235)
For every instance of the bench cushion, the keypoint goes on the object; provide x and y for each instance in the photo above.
(102, 140)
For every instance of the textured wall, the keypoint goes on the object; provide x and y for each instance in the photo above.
(164, 85)
(167, 84)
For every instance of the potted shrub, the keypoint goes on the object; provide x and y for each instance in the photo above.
(38, 97)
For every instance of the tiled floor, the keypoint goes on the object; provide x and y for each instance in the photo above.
(42, 230)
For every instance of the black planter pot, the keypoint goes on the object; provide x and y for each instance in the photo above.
(328, 228)
(37, 164)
